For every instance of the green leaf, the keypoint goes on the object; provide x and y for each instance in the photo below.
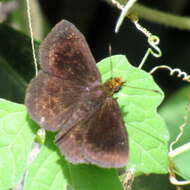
(14, 89)
(181, 163)
(18, 52)
(174, 111)
(148, 135)
(5, 0)
(47, 170)
(152, 182)
(86, 177)
(15, 143)
(16, 63)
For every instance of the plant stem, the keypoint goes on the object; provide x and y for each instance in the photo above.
(124, 12)
(157, 16)
(172, 20)
(179, 150)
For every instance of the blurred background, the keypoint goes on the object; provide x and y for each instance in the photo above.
(96, 19)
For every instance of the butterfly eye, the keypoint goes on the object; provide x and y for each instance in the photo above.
(117, 89)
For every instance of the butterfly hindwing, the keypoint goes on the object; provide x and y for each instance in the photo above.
(106, 140)
(101, 140)
(70, 143)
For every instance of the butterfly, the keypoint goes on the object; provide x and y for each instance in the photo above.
(68, 97)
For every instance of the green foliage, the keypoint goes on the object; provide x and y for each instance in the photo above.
(152, 182)
(16, 138)
(49, 171)
(148, 138)
(174, 111)
(17, 52)
(46, 171)
(15, 86)
(16, 63)
(5, 0)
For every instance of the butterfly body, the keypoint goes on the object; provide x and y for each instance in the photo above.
(67, 97)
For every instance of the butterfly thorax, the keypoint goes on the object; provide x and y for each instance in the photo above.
(113, 85)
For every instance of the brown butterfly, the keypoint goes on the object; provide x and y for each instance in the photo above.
(67, 96)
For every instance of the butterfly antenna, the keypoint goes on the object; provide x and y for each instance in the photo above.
(150, 90)
(111, 64)
(32, 35)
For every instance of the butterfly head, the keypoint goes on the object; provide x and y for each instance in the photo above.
(114, 85)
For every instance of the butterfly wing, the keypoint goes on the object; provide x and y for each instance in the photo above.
(106, 141)
(68, 71)
(70, 143)
(51, 101)
(65, 53)
(102, 140)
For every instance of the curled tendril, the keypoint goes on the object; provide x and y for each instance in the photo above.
(180, 74)
(153, 40)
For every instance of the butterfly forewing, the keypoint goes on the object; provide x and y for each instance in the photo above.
(68, 70)
(65, 53)
(51, 101)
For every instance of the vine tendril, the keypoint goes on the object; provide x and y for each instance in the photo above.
(153, 40)
(180, 74)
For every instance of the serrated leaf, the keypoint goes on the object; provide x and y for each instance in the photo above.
(148, 135)
(174, 111)
(15, 143)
